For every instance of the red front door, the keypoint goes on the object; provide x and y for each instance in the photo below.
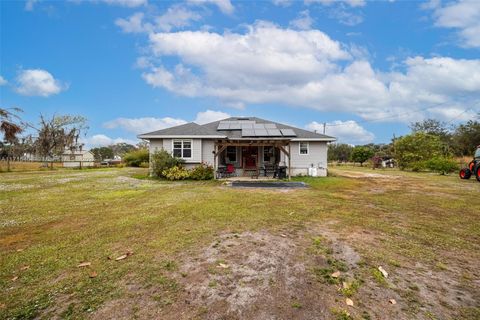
(250, 157)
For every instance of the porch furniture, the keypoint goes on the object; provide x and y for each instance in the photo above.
(280, 172)
(268, 170)
(230, 170)
(221, 172)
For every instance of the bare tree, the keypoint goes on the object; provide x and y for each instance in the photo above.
(10, 129)
(57, 134)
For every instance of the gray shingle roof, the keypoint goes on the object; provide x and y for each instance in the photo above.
(210, 129)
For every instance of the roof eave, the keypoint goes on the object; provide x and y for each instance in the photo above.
(157, 136)
(315, 139)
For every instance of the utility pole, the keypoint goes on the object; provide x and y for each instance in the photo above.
(324, 127)
(394, 144)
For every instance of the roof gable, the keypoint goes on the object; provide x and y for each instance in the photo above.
(209, 130)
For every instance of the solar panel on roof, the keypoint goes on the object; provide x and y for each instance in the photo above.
(288, 133)
(247, 125)
(223, 126)
(270, 125)
(261, 132)
(235, 126)
(274, 133)
(248, 133)
(259, 126)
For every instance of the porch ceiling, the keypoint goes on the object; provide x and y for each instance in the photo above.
(253, 142)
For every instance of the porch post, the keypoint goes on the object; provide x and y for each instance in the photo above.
(289, 162)
(215, 161)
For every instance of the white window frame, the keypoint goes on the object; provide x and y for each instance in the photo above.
(182, 148)
(273, 153)
(236, 154)
(300, 148)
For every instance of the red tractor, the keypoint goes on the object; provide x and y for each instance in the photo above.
(473, 167)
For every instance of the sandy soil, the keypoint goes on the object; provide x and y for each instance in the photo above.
(260, 275)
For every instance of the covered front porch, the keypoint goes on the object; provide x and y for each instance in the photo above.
(252, 158)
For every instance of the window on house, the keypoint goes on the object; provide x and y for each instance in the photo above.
(303, 147)
(231, 154)
(267, 154)
(182, 148)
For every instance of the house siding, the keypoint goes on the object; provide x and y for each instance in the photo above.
(202, 151)
(167, 145)
(207, 151)
(317, 155)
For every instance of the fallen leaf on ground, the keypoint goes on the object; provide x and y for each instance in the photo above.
(84, 264)
(385, 273)
(121, 257)
(25, 268)
(93, 274)
(336, 274)
(283, 235)
(392, 301)
(345, 285)
(19, 250)
(15, 278)
(223, 265)
(349, 302)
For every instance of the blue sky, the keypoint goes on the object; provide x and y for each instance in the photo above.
(367, 69)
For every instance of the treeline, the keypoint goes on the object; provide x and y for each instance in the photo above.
(48, 140)
(119, 150)
(431, 144)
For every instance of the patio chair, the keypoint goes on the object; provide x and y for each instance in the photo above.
(230, 171)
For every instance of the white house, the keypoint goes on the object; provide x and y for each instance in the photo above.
(78, 158)
(249, 144)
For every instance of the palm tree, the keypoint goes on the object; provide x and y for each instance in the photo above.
(9, 128)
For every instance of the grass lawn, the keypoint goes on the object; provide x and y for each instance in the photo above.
(205, 250)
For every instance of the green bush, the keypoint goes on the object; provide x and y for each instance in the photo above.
(136, 157)
(161, 161)
(144, 165)
(413, 150)
(442, 165)
(176, 173)
(202, 172)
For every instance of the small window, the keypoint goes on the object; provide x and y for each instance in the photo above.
(231, 154)
(267, 154)
(182, 148)
(303, 147)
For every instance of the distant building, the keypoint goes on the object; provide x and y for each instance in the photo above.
(77, 158)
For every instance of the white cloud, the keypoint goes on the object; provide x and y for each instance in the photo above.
(133, 24)
(210, 116)
(282, 3)
(176, 17)
(38, 82)
(126, 3)
(101, 140)
(224, 5)
(346, 17)
(345, 131)
(142, 125)
(351, 3)
(29, 5)
(303, 22)
(3, 81)
(463, 15)
(269, 64)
